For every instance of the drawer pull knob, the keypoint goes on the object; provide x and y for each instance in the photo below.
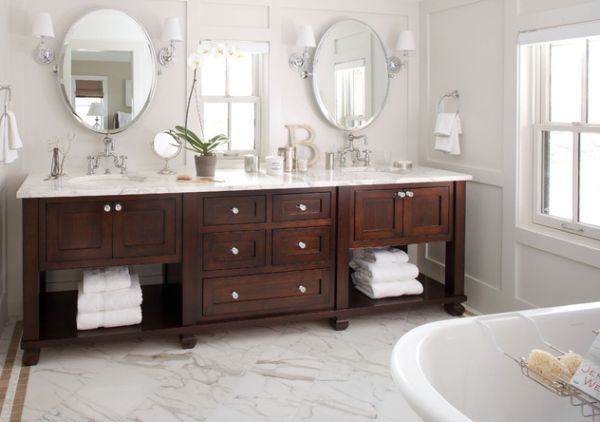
(118, 207)
(235, 210)
(301, 245)
(107, 208)
(401, 194)
(302, 207)
(302, 289)
(234, 250)
(410, 194)
(235, 295)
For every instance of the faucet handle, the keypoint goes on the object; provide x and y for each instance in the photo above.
(123, 165)
(91, 165)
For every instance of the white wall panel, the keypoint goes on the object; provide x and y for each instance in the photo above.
(232, 15)
(527, 7)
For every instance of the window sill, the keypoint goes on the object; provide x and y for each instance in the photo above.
(570, 246)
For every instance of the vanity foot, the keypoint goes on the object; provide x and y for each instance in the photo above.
(454, 309)
(339, 324)
(187, 342)
(31, 357)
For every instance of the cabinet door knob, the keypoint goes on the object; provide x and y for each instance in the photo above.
(234, 250)
(302, 207)
(410, 194)
(301, 245)
(302, 289)
(118, 207)
(235, 210)
(400, 194)
(107, 208)
(235, 295)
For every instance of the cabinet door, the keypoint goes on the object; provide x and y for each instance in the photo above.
(145, 227)
(78, 231)
(377, 215)
(426, 213)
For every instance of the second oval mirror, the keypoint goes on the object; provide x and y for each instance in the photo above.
(350, 75)
(107, 70)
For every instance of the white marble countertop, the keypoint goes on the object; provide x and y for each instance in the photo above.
(144, 183)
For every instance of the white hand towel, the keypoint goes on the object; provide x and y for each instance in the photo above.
(448, 140)
(15, 141)
(7, 155)
(391, 289)
(381, 273)
(381, 256)
(114, 318)
(105, 279)
(111, 300)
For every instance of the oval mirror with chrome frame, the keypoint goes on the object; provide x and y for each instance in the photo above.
(107, 70)
(350, 75)
(165, 147)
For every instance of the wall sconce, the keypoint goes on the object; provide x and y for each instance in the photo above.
(300, 63)
(42, 28)
(172, 34)
(405, 43)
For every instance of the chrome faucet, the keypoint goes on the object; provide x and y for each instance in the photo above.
(118, 161)
(357, 156)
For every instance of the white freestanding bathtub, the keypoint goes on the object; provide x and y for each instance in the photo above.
(451, 371)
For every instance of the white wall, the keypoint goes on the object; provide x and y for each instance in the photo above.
(470, 45)
(4, 60)
(42, 114)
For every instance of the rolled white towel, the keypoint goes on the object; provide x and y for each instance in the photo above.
(390, 289)
(114, 299)
(381, 273)
(381, 256)
(114, 318)
(106, 279)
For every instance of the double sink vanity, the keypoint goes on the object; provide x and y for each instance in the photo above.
(250, 249)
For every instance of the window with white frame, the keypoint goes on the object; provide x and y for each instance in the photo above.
(232, 94)
(566, 133)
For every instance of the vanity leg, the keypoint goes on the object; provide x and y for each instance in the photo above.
(187, 341)
(454, 309)
(31, 356)
(339, 324)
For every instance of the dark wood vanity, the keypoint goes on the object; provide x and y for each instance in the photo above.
(234, 258)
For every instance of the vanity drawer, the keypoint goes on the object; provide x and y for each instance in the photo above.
(267, 293)
(302, 245)
(301, 206)
(230, 250)
(220, 210)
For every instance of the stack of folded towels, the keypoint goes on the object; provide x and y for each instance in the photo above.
(109, 297)
(380, 273)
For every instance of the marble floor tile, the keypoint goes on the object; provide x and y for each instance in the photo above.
(301, 371)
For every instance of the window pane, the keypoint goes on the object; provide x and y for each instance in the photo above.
(565, 81)
(241, 76)
(594, 82)
(215, 120)
(589, 176)
(213, 75)
(558, 174)
(242, 126)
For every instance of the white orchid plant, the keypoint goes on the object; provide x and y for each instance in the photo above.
(182, 134)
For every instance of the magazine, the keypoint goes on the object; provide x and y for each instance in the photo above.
(587, 376)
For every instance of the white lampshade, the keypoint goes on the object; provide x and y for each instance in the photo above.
(306, 37)
(406, 41)
(96, 109)
(42, 26)
(171, 30)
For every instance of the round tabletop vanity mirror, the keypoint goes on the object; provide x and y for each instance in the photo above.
(107, 70)
(350, 75)
(165, 147)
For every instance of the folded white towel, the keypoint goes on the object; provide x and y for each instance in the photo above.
(391, 289)
(15, 141)
(111, 300)
(114, 318)
(447, 133)
(105, 279)
(381, 273)
(381, 255)
(7, 154)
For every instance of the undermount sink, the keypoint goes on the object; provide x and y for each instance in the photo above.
(108, 180)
